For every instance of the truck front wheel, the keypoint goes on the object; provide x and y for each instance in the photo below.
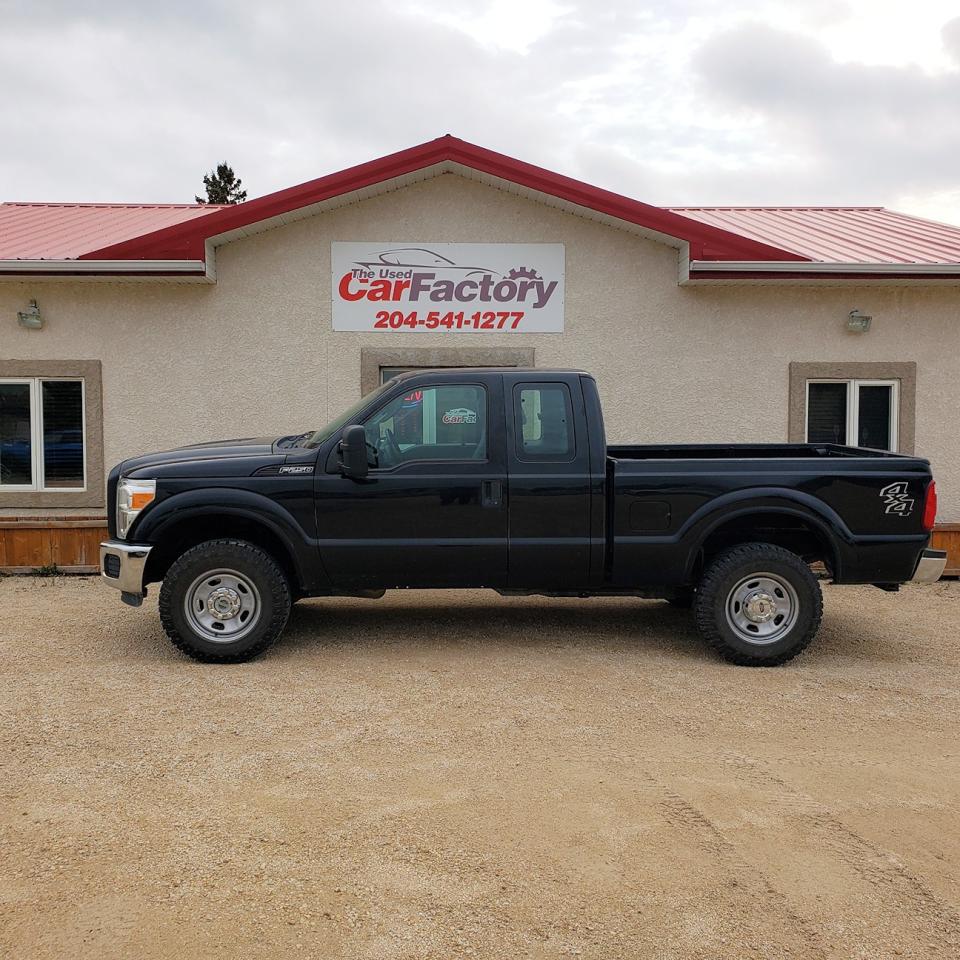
(758, 605)
(224, 601)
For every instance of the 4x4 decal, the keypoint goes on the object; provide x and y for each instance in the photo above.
(896, 496)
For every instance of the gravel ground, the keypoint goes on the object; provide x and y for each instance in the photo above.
(460, 775)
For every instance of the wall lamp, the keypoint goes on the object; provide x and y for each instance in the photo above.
(30, 318)
(858, 322)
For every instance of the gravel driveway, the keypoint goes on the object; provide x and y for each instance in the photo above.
(446, 775)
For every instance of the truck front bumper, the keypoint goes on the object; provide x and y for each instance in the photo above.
(121, 566)
(930, 567)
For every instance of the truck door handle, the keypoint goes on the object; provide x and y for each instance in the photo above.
(491, 493)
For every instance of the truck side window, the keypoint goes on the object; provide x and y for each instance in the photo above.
(544, 422)
(445, 422)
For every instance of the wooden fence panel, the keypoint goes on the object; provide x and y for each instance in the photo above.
(947, 537)
(72, 544)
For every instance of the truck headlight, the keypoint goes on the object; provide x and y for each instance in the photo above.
(132, 497)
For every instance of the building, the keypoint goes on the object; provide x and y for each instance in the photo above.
(131, 327)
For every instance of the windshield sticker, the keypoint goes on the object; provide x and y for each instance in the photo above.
(460, 415)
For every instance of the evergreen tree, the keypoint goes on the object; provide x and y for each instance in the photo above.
(222, 186)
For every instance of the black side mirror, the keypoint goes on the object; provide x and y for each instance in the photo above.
(353, 452)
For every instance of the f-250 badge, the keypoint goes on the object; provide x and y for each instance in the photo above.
(895, 497)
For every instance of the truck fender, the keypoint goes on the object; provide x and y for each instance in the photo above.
(253, 507)
(758, 501)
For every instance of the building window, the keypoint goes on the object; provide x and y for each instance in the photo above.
(388, 373)
(42, 434)
(869, 403)
(859, 413)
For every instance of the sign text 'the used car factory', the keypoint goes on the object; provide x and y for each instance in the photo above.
(448, 287)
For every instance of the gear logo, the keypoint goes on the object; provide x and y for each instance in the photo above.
(523, 273)
(897, 499)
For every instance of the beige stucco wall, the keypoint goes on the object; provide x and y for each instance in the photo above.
(255, 353)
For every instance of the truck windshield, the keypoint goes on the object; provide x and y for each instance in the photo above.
(347, 417)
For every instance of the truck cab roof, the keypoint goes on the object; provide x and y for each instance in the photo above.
(451, 373)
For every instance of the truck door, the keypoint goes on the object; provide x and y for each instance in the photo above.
(550, 483)
(432, 510)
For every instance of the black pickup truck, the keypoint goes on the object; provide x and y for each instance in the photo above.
(502, 478)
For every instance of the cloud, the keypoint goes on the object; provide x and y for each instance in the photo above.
(862, 131)
(951, 38)
(671, 102)
(126, 106)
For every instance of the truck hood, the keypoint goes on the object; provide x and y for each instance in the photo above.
(210, 459)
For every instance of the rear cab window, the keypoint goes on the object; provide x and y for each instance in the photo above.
(543, 421)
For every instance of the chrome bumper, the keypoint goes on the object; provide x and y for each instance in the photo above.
(930, 567)
(121, 566)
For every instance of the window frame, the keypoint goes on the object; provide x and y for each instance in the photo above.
(853, 385)
(524, 456)
(433, 460)
(37, 466)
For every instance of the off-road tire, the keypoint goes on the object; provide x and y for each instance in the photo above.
(255, 564)
(731, 567)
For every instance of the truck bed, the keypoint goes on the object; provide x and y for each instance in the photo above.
(666, 497)
(741, 451)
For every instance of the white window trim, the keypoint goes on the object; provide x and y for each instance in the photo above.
(36, 436)
(853, 408)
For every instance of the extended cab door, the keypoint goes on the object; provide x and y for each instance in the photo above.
(551, 487)
(432, 511)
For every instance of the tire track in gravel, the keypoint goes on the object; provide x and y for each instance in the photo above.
(872, 863)
(758, 887)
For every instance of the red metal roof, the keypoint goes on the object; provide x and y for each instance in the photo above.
(797, 237)
(65, 231)
(187, 240)
(839, 234)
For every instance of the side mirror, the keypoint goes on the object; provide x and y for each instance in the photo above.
(353, 452)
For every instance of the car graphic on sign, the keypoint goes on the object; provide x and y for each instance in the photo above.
(418, 257)
(460, 415)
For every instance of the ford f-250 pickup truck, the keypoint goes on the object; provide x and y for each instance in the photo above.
(502, 478)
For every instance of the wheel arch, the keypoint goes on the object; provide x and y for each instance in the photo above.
(788, 520)
(181, 522)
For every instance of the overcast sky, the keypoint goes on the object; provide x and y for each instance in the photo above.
(669, 101)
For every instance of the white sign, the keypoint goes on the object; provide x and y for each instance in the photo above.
(448, 287)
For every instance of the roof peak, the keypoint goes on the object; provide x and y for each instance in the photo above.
(444, 154)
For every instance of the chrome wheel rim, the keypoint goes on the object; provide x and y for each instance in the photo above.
(762, 608)
(222, 605)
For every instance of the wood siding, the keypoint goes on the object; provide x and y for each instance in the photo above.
(946, 536)
(73, 544)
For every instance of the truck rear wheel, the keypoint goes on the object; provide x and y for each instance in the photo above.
(758, 605)
(224, 601)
